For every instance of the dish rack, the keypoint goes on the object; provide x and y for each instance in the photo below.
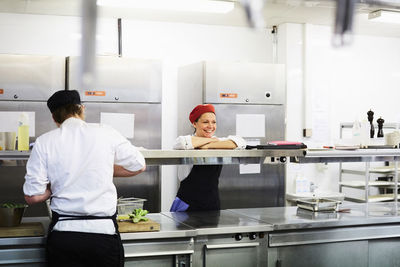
(126, 206)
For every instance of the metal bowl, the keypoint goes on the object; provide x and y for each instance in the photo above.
(11, 216)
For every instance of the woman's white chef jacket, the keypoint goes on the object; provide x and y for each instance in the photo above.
(78, 160)
(185, 143)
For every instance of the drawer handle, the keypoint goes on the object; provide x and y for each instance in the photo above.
(239, 245)
(159, 253)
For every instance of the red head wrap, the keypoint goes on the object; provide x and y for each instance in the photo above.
(199, 110)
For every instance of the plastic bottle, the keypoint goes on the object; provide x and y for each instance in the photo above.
(356, 133)
(23, 131)
(364, 137)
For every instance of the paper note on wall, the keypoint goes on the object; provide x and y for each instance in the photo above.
(250, 125)
(250, 168)
(122, 122)
(9, 121)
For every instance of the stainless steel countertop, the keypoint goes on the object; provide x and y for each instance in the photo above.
(169, 228)
(216, 156)
(288, 218)
(228, 156)
(178, 157)
(357, 155)
(219, 222)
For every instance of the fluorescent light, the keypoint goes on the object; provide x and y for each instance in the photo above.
(172, 5)
(384, 16)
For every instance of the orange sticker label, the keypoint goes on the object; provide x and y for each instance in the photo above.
(95, 93)
(1, 91)
(228, 95)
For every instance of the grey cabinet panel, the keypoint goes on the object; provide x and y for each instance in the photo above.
(328, 255)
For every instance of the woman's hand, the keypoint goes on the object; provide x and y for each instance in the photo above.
(198, 142)
(227, 144)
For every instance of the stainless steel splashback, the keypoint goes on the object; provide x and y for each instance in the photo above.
(29, 77)
(239, 83)
(119, 80)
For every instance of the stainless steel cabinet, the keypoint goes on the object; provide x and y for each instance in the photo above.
(327, 255)
(384, 252)
(336, 246)
(159, 253)
(225, 250)
(23, 251)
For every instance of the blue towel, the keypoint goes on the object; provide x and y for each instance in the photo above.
(179, 205)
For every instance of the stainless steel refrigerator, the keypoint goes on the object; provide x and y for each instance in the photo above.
(131, 87)
(249, 99)
(26, 82)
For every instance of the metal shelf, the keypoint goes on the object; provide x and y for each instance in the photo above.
(219, 156)
(358, 155)
(361, 184)
(367, 156)
(373, 198)
(196, 157)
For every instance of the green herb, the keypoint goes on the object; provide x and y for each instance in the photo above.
(12, 205)
(138, 215)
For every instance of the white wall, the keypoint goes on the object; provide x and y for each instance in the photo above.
(52, 35)
(342, 84)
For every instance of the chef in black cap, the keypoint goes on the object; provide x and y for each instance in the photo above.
(74, 166)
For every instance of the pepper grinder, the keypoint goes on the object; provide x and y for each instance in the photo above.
(370, 114)
(380, 122)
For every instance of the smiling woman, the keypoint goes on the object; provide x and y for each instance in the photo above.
(199, 184)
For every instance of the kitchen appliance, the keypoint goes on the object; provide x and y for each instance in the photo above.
(26, 82)
(249, 101)
(127, 87)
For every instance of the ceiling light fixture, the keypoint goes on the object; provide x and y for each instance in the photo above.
(172, 5)
(384, 16)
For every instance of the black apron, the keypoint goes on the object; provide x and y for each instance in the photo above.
(200, 188)
(56, 217)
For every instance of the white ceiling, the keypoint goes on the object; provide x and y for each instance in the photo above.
(275, 12)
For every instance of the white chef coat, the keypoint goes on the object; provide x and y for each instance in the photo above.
(185, 143)
(78, 159)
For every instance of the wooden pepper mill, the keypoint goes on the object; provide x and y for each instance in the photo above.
(380, 122)
(370, 114)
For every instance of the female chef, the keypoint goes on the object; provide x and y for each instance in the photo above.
(74, 165)
(198, 189)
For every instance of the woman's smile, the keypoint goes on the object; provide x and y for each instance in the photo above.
(206, 125)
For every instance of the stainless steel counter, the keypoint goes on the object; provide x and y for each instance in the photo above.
(219, 222)
(216, 156)
(189, 224)
(357, 155)
(177, 157)
(289, 218)
(169, 228)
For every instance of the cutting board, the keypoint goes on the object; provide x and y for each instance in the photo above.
(130, 227)
(24, 229)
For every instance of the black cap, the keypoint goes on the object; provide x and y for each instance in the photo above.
(62, 98)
